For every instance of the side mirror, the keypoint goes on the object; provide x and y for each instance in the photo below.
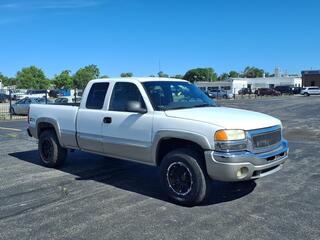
(135, 106)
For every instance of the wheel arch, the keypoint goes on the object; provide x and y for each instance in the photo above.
(166, 141)
(46, 124)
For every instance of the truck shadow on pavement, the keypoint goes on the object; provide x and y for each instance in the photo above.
(133, 177)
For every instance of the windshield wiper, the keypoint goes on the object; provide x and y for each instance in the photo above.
(175, 108)
(203, 105)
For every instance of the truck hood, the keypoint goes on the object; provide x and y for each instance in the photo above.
(227, 118)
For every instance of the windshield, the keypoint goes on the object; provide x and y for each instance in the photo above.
(176, 95)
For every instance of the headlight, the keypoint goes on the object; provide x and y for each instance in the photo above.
(229, 135)
(230, 140)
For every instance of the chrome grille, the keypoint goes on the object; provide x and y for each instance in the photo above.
(266, 139)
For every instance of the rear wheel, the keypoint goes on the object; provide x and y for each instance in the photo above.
(51, 153)
(183, 177)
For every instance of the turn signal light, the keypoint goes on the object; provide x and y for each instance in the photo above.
(229, 135)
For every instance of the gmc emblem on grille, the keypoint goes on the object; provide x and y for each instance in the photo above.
(267, 139)
(263, 143)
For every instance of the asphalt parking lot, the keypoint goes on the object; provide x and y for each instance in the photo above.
(92, 197)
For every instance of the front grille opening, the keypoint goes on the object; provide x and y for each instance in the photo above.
(276, 156)
(271, 158)
(266, 139)
(258, 173)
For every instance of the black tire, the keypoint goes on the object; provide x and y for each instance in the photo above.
(50, 151)
(306, 94)
(183, 177)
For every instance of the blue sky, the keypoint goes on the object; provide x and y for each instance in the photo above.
(133, 35)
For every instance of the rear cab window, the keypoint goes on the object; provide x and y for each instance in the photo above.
(97, 95)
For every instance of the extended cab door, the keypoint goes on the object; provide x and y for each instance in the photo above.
(127, 134)
(90, 118)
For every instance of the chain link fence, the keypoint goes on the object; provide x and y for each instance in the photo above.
(13, 106)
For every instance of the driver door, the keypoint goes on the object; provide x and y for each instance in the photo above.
(127, 134)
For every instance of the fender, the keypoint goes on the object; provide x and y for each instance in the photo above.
(179, 134)
(51, 121)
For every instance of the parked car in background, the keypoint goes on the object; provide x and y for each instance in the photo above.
(307, 91)
(54, 93)
(37, 93)
(65, 100)
(296, 90)
(244, 91)
(4, 98)
(18, 94)
(266, 92)
(284, 89)
(21, 107)
(216, 93)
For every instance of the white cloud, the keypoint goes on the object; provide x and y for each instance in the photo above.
(67, 4)
(12, 11)
(51, 4)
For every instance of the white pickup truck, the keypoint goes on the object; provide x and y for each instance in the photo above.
(167, 123)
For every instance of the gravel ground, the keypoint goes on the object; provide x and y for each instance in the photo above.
(92, 197)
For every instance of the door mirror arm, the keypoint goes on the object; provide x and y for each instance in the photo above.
(135, 106)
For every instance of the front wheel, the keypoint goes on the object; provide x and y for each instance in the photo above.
(50, 151)
(306, 94)
(183, 177)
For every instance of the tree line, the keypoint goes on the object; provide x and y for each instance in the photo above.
(34, 78)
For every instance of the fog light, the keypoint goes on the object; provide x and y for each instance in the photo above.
(242, 172)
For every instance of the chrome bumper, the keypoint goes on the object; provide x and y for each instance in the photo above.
(241, 166)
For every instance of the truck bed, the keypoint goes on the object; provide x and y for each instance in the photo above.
(63, 117)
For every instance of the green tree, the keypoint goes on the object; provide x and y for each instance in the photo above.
(269, 74)
(223, 76)
(162, 74)
(177, 76)
(201, 74)
(233, 74)
(104, 76)
(84, 75)
(126, 74)
(63, 80)
(4, 79)
(252, 72)
(32, 78)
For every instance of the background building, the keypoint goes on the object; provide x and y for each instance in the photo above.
(209, 86)
(266, 82)
(311, 78)
(233, 85)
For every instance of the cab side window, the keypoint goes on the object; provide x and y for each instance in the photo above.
(122, 94)
(97, 95)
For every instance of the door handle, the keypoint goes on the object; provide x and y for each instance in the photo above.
(107, 120)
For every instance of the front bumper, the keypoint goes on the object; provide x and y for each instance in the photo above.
(242, 166)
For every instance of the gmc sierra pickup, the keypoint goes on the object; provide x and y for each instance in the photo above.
(167, 123)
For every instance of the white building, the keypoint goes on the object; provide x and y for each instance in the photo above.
(266, 82)
(233, 85)
(208, 86)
